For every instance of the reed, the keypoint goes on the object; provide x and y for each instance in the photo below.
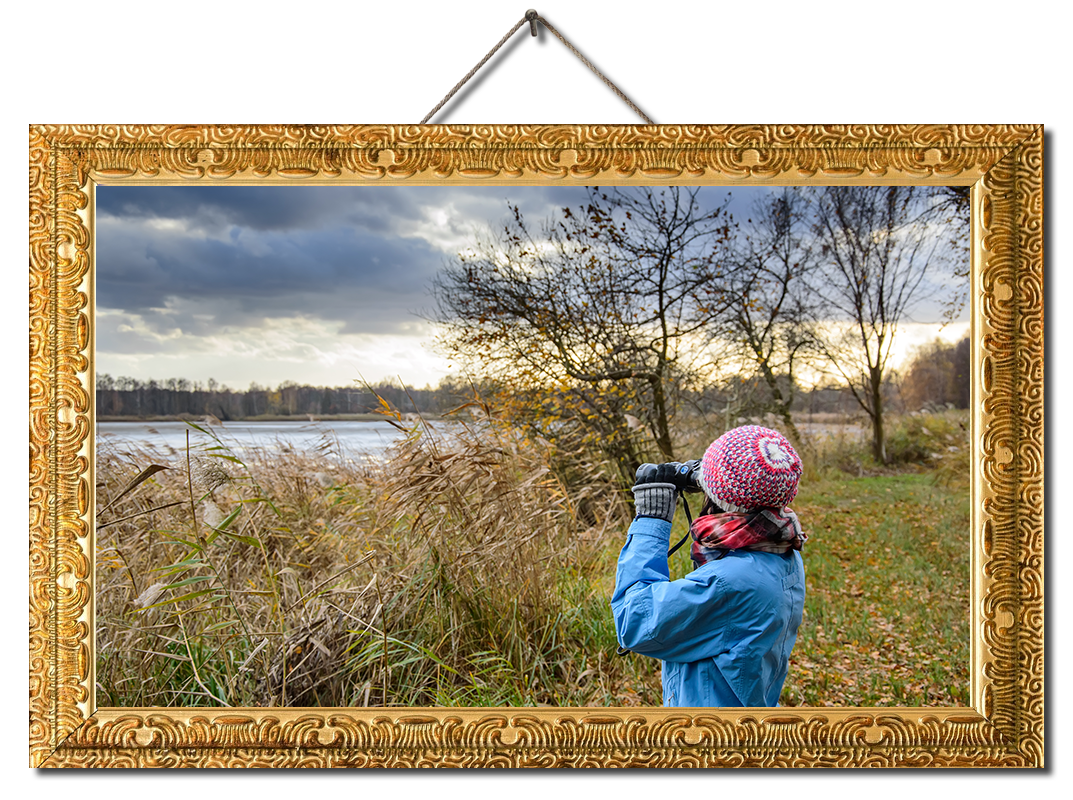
(460, 570)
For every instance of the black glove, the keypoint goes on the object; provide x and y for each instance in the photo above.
(657, 486)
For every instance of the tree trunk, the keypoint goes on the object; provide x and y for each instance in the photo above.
(791, 429)
(782, 406)
(879, 448)
(661, 427)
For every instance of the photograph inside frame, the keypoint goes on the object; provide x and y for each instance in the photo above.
(374, 446)
(91, 338)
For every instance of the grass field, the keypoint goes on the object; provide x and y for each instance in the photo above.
(887, 608)
(479, 572)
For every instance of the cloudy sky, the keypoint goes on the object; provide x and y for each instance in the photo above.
(317, 285)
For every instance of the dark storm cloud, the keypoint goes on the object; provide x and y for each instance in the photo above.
(240, 255)
(194, 259)
(384, 209)
(326, 273)
(258, 208)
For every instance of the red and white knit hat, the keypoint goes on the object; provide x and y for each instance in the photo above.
(750, 467)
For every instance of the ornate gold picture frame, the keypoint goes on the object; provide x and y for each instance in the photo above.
(1004, 724)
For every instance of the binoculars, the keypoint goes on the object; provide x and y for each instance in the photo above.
(684, 476)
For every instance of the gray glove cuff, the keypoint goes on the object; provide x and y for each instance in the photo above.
(655, 500)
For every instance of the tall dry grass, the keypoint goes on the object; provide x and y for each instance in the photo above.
(216, 598)
(453, 572)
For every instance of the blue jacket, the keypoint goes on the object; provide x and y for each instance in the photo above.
(724, 632)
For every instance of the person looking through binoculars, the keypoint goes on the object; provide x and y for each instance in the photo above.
(725, 631)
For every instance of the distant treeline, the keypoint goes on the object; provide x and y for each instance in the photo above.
(130, 397)
(938, 376)
(175, 397)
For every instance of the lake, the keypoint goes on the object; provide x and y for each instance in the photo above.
(349, 439)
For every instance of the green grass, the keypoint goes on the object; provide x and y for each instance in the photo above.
(887, 608)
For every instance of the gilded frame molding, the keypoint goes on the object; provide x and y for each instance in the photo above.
(1004, 725)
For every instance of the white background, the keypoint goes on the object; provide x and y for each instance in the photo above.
(829, 61)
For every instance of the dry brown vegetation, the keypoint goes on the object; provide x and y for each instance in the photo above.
(450, 573)
(472, 566)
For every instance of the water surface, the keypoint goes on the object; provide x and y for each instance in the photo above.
(352, 439)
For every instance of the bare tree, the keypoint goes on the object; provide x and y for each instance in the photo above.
(876, 249)
(769, 319)
(589, 320)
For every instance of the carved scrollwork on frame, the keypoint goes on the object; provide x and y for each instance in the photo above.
(1003, 727)
(531, 737)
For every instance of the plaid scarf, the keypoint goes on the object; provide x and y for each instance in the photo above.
(770, 530)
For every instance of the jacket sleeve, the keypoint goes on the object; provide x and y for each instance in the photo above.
(680, 620)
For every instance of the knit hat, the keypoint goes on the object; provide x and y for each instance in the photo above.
(750, 467)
